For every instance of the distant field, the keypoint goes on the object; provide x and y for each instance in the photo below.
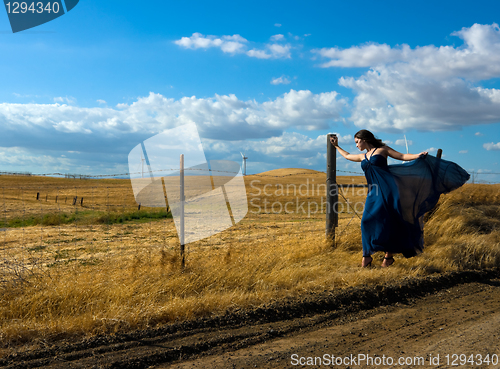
(18, 194)
(90, 275)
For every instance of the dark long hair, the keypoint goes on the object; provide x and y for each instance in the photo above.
(369, 137)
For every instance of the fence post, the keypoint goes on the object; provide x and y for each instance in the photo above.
(181, 236)
(439, 153)
(332, 195)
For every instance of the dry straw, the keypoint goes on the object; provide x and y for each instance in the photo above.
(93, 278)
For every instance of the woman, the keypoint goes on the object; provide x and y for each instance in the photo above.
(398, 196)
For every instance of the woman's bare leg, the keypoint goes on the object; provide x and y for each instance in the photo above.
(367, 261)
(388, 259)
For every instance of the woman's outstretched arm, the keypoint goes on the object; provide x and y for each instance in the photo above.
(352, 157)
(400, 156)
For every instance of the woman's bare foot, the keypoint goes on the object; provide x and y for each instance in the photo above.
(388, 260)
(367, 261)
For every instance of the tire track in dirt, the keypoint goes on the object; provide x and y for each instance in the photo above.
(267, 336)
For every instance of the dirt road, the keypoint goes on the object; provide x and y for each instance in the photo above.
(430, 332)
(427, 322)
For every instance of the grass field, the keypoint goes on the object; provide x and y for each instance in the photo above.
(84, 276)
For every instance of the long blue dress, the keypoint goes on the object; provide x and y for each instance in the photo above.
(398, 197)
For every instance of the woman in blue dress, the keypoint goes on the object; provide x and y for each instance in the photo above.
(398, 195)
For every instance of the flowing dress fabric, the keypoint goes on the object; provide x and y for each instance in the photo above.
(398, 197)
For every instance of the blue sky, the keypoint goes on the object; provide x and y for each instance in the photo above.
(266, 78)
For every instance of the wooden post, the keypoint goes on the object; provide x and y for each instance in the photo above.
(74, 200)
(56, 198)
(181, 236)
(439, 153)
(38, 195)
(139, 207)
(81, 201)
(332, 195)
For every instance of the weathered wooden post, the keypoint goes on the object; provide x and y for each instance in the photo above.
(332, 195)
(439, 153)
(181, 236)
(38, 195)
(81, 201)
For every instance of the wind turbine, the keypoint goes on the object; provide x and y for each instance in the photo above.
(406, 143)
(244, 164)
(142, 165)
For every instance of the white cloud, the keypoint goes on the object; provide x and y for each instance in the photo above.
(228, 44)
(71, 127)
(97, 140)
(389, 100)
(303, 109)
(222, 117)
(18, 158)
(272, 51)
(67, 100)
(280, 51)
(277, 24)
(364, 56)
(492, 146)
(278, 37)
(478, 59)
(259, 54)
(463, 151)
(427, 88)
(102, 101)
(287, 149)
(236, 45)
(478, 134)
(283, 80)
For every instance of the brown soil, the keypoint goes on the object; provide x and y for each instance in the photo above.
(449, 314)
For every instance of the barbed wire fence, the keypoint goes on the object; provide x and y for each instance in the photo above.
(87, 219)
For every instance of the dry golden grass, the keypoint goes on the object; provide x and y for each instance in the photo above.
(18, 195)
(76, 280)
